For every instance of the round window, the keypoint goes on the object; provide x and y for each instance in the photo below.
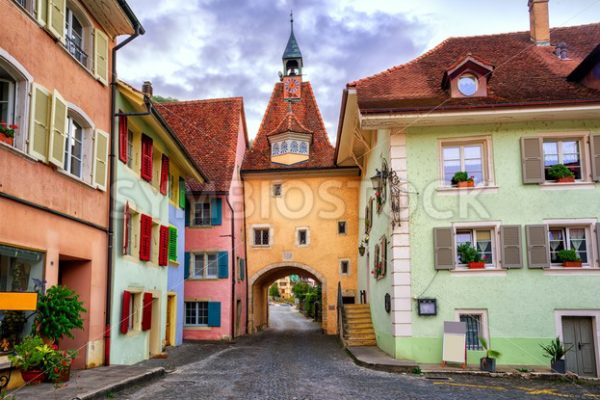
(467, 85)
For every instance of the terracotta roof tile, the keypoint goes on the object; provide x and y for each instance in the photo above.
(289, 124)
(523, 73)
(209, 130)
(306, 113)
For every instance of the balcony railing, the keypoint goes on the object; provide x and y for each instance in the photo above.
(76, 51)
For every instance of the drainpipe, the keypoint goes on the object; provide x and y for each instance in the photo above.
(233, 265)
(139, 30)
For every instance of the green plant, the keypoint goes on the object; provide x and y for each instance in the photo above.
(568, 255)
(489, 353)
(522, 370)
(8, 130)
(57, 362)
(558, 171)
(417, 370)
(30, 353)
(5, 396)
(461, 176)
(468, 253)
(274, 290)
(58, 313)
(555, 350)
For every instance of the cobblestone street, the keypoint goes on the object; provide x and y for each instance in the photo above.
(293, 360)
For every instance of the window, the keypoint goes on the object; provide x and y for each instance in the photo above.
(201, 213)
(467, 85)
(172, 244)
(7, 100)
(196, 313)
(482, 239)
(261, 237)
(282, 284)
(74, 37)
(294, 147)
(563, 151)
(302, 237)
(277, 190)
(344, 267)
(128, 231)
(341, 227)
(74, 148)
(474, 330)
(303, 148)
(284, 147)
(565, 238)
(275, 149)
(205, 266)
(464, 157)
(130, 149)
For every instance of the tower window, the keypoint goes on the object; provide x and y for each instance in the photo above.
(277, 190)
(303, 148)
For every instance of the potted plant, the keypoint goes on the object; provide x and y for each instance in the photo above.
(58, 313)
(7, 132)
(470, 256)
(488, 363)
(29, 357)
(57, 365)
(556, 351)
(561, 174)
(569, 258)
(462, 180)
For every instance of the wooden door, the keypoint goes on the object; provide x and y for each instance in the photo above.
(169, 339)
(578, 334)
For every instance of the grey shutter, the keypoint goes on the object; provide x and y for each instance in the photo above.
(532, 160)
(443, 243)
(595, 152)
(510, 242)
(598, 240)
(538, 251)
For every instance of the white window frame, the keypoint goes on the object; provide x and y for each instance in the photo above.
(193, 216)
(591, 226)
(486, 163)
(298, 230)
(204, 255)
(584, 153)
(341, 261)
(75, 10)
(196, 312)
(262, 227)
(484, 324)
(494, 227)
(130, 155)
(135, 311)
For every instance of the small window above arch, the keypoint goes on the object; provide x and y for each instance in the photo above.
(78, 33)
(467, 78)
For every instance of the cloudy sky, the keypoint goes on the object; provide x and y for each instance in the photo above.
(199, 49)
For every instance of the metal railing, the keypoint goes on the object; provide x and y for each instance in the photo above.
(76, 51)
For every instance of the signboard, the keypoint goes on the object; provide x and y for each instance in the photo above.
(18, 301)
(454, 348)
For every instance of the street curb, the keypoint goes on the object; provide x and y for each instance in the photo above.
(381, 367)
(544, 376)
(122, 384)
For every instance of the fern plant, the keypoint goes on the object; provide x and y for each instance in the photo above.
(489, 353)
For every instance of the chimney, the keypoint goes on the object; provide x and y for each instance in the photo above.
(539, 22)
(147, 89)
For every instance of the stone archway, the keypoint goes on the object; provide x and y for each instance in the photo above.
(258, 317)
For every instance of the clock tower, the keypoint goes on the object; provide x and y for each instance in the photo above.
(292, 68)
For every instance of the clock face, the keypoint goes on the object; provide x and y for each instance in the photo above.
(292, 87)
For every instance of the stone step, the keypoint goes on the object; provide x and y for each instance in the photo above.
(361, 335)
(357, 314)
(361, 319)
(363, 330)
(360, 342)
(356, 306)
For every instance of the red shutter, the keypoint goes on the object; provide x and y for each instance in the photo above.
(147, 313)
(123, 138)
(164, 174)
(145, 237)
(146, 171)
(163, 252)
(125, 312)
(126, 221)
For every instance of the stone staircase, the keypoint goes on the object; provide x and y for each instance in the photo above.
(358, 327)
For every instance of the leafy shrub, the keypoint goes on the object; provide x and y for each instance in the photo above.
(558, 171)
(460, 176)
(30, 353)
(568, 255)
(59, 312)
(468, 253)
(555, 350)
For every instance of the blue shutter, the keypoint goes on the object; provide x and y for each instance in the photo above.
(223, 261)
(186, 265)
(216, 208)
(214, 313)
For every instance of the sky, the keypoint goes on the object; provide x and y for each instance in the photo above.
(200, 49)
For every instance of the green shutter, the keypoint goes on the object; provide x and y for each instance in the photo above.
(101, 56)
(57, 11)
(39, 126)
(172, 243)
(186, 265)
(223, 261)
(42, 11)
(181, 193)
(242, 269)
(216, 211)
(58, 131)
(214, 313)
(100, 167)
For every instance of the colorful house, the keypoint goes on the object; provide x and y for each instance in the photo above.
(301, 209)
(214, 266)
(150, 192)
(506, 109)
(55, 63)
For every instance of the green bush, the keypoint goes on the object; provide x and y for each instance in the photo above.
(568, 255)
(468, 253)
(558, 171)
(555, 350)
(274, 291)
(58, 313)
(30, 353)
(460, 176)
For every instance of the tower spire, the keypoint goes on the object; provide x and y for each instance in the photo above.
(292, 57)
(292, 19)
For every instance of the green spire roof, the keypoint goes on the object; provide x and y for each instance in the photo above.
(292, 50)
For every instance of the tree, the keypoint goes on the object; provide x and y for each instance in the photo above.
(161, 99)
(274, 290)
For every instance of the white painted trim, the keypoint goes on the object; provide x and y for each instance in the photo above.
(594, 314)
(454, 191)
(487, 152)
(588, 224)
(5, 55)
(496, 247)
(262, 226)
(490, 272)
(485, 332)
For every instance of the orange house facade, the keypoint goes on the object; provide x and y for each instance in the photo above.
(55, 63)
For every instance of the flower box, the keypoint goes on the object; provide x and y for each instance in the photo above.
(6, 139)
(572, 264)
(566, 179)
(33, 376)
(466, 184)
(476, 265)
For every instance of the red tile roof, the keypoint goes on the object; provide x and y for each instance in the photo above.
(523, 73)
(289, 124)
(209, 130)
(308, 117)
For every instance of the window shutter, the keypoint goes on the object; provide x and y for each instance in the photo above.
(172, 243)
(595, 152)
(123, 138)
(214, 313)
(42, 11)
(510, 242)
(532, 160)
(444, 251)
(163, 250)
(242, 269)
(223, 261)
(187, 211)
(101, 56)
(537, 246)
(598, 240)
(56, 18)
(146, 170)
(181, 193)
(125, 311)
(40, 122)
(216, 210)
(126, 221)
(100, 166)
(145, 237)
(187, 265)
(164, 174)
(58, 131)
(147, 312)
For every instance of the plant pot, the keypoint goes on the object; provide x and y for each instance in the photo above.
(6, 139)
(476, 265)
(572, 264)
(487, 364)
(33, 376)
(65, 375)
(465, 184)
(559, 366)
(566, 179)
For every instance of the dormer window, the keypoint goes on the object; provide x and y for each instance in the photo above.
(467, 85)
(290, 141)
(467, 78)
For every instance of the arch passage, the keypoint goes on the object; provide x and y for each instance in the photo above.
(258, 316)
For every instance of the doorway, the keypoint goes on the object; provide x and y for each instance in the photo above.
(171, 319)
(578, 335)
(238, 317)
(154, 342)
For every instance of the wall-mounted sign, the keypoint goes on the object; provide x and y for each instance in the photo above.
(388, 303)
(427, 307)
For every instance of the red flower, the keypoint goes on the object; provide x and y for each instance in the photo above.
(13, 126)
(3, 124)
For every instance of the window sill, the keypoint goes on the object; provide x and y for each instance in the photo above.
(478, 272)
(202, 279)
(202, 226)
(573, 185)
(583, 271)
(197, 327)
(18, 151)
(476, 189)
(75, 178)
(260, 246)
(173, 263)
(133, 333)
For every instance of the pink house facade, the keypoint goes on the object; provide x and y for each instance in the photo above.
(214, 132)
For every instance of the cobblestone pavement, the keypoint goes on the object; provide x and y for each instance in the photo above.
(302, 364)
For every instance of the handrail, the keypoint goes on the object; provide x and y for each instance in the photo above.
(340, 312)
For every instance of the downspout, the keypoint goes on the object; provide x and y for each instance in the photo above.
(139, 30)
(233, 265)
